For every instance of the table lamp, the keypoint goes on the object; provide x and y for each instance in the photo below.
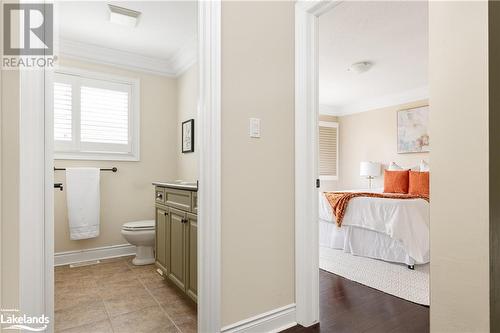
(370, 170)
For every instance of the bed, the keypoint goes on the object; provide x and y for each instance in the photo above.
(393, 230)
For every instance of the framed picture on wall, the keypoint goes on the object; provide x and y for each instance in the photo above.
(413, 130)
(188, 136)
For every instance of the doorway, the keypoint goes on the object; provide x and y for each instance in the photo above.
(118, 121)
(37, 246)
(308, 281)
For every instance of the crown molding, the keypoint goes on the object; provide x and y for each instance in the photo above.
(174, 66)
(185, 57)
(404, 97)
(317, 7)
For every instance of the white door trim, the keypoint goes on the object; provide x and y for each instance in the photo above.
(306, 159)
(32, 249)
(209, 166)
(36, 239)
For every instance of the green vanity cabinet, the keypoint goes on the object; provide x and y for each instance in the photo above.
(192, 258)
(161, 235)
(177, 244)
(177, 235)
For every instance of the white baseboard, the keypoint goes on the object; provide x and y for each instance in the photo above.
(106, 252)
(275, 320)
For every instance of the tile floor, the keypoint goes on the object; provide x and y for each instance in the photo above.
(118, 297)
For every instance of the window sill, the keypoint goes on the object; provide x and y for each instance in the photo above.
(97, 156)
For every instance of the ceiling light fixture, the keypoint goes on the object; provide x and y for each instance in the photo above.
(360, 67)
(123, 16)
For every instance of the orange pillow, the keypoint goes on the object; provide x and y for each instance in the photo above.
(419, 183)
(396, 181)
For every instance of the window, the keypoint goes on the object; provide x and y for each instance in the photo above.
(328, 150)
(95, 116)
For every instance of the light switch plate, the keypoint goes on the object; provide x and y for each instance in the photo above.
(254, 128)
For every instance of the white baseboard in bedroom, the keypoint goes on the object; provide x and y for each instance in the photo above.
(275, 320)
(106, 252)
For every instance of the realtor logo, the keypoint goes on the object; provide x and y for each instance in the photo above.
(28, 36)
(28, 29)
(13, 319)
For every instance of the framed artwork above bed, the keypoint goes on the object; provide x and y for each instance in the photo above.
(413, 130)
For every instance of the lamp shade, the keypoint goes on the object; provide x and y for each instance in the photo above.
(369, 169)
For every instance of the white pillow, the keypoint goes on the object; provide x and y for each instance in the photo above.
(424, 166)
(394, 167)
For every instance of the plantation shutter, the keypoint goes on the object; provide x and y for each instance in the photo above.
(62, 111)
(96, 116)
(104, 115)
(328, 150)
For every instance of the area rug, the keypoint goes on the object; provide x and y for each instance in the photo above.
(394, 279)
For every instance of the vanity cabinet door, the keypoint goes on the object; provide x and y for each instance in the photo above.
(192, 256)
(176, 243)
(194, 202)
(161, 240)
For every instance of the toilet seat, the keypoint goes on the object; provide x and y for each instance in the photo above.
(139, 225)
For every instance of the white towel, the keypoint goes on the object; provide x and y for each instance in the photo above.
(83, 200)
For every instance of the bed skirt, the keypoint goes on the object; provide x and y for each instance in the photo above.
(364, 242)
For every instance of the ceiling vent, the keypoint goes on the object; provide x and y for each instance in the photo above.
(123, 16)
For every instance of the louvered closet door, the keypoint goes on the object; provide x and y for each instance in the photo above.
(328, 149)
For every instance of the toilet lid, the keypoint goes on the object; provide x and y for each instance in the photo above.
(140, 225)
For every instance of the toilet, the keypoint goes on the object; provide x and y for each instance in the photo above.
(142, 235)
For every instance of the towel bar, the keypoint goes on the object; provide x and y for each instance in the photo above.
(114, 169)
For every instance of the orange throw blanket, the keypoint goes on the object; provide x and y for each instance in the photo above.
(340, 200)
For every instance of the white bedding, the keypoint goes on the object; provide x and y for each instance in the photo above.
(404, 221)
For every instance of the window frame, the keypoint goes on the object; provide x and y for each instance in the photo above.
(332, 124)
(72, 150)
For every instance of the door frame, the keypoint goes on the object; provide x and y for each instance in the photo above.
(36, 202)
(209, 166)
(307, 15)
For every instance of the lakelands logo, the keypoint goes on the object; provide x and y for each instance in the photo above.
(13, 320)
(28, 35)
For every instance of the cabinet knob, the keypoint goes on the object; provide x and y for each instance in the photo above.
(166, 214)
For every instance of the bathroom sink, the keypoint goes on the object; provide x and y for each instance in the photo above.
(182, 182)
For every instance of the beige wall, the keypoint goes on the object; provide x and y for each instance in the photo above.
(128, 194)
(459, 283)
(257, 174)
(370, 136)
(9, 232)
(187, 105)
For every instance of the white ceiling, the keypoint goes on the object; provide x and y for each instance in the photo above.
(393, 35)
(164, 28)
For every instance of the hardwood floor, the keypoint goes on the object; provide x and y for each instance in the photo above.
(347, 306)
